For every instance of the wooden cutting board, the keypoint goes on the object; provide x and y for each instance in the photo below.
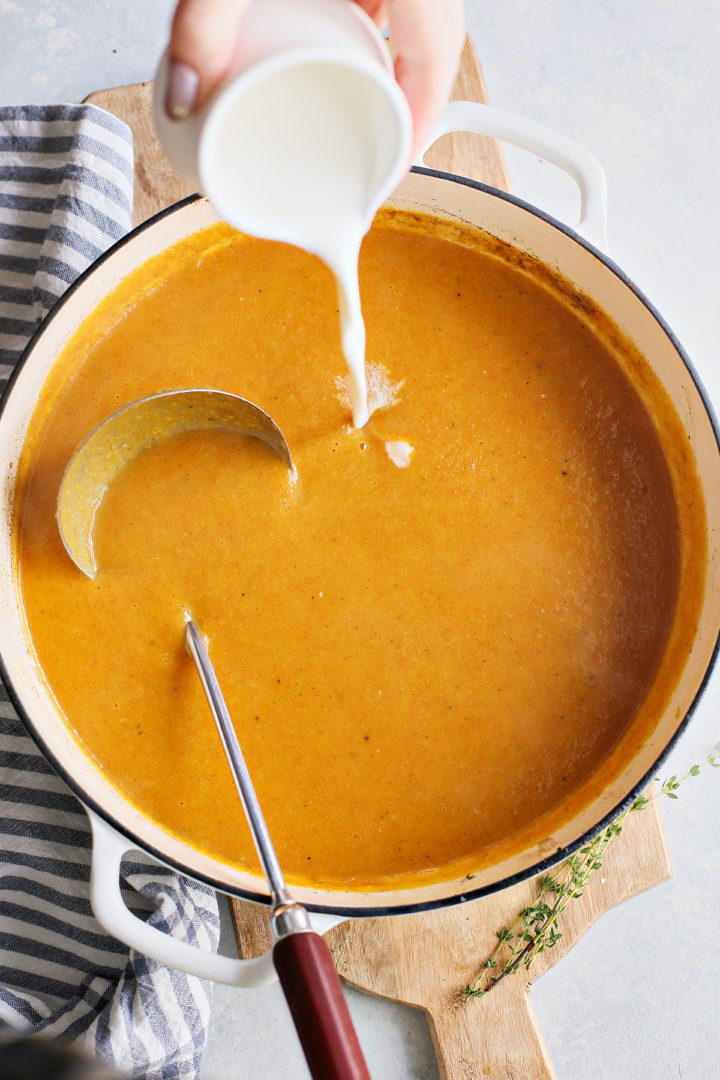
(426, 960)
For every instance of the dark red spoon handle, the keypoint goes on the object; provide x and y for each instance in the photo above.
(315, 997)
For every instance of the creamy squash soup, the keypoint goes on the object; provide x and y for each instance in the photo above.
(434, 638)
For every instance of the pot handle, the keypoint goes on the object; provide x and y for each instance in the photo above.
(112, 913)
(578, 163)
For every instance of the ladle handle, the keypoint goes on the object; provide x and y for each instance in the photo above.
(111, 911)
(317, 1004)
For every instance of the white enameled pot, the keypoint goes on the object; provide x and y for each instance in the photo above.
(580, 256)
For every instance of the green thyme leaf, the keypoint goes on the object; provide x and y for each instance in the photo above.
(535, 928)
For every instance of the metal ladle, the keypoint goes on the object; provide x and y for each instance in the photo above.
(134, 428)
(302, 960)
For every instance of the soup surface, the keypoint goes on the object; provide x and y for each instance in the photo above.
(432, 637)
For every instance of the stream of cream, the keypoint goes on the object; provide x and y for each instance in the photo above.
(313, 141)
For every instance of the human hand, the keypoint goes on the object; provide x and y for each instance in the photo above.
(428, 36)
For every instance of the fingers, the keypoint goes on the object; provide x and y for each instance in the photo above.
(202, 44)
(429, 37)
(376, 9)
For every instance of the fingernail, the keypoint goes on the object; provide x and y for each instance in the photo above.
(182, 90)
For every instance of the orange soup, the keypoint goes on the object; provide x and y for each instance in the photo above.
(431, 641)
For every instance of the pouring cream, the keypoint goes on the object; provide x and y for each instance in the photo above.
(304, 156)
(302, 145)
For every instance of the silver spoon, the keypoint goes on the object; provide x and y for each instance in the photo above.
(137, 426)
(303, 961)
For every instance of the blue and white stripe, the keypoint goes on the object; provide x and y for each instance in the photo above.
(65, 196)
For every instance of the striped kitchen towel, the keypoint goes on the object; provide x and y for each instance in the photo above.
(65, 196)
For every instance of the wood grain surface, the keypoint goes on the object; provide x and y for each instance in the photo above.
(425, 960)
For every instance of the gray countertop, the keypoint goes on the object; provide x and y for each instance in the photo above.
(638, 84)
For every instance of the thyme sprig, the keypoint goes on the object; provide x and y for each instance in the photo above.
(537, 926)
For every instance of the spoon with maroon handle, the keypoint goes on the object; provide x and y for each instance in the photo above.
(302, 960)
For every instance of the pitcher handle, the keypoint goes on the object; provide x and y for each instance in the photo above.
(110, 910)
(578, 163)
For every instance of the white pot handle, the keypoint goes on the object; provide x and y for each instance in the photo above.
(112, 913)
(584, 169)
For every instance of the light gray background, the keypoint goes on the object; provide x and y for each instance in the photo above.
(638, 83)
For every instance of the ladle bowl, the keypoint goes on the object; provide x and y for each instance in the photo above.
(137, 427)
